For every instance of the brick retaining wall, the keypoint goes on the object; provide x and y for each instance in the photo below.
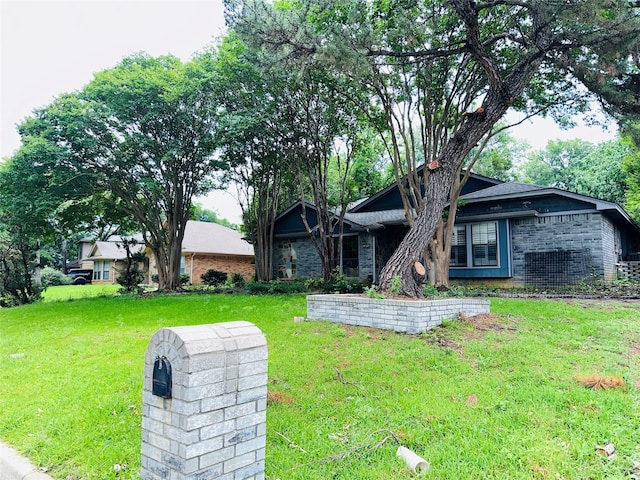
(408, 316)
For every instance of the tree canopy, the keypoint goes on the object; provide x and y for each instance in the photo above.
(143, 134)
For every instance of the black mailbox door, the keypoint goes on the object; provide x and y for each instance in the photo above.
(162, 377)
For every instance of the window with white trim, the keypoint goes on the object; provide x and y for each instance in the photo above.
(474, 245)
(183, 264)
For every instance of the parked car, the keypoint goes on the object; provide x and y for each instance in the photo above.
(80, 276)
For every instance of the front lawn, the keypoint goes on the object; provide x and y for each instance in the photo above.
(496, 397)
(73, 292)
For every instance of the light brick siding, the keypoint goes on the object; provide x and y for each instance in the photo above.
(610, 246)
(196, 265)
(213, 425)
(575, 242)
(408, 316)
(366, 250)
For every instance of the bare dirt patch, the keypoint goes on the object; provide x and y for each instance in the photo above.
(486, 322)
(600, 382)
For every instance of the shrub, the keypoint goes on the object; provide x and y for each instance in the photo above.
(51, 278)
(184, 278)
(213, 277)
(430, 291)
(396, 285)
(372, 292)
(237, 280)
(276, 287)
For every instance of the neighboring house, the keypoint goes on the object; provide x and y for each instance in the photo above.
(109, 259)
(508, 233)
(208, 246)
(205, 246)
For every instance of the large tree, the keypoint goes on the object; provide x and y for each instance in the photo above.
(250, 139)
(444, 73)
(580, 166)
(145, 133)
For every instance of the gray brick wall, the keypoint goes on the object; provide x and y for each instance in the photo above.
(610, 246)
(579, 233)
(407, 316)
(214, 426)
(298, 258)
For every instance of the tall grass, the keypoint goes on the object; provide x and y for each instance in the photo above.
(490, 399)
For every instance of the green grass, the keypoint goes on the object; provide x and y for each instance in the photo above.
(73, 292)
(496, 402)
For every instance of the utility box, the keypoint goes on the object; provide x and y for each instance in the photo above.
(212, 425)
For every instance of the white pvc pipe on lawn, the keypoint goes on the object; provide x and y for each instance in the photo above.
(415, 463)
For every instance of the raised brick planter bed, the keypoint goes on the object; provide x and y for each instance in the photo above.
(408, 316)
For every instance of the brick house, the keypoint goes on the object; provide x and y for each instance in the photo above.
(107, 259)
(505, 233)
(207, 246)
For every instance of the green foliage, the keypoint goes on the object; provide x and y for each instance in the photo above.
(395, 288)
(201, 214)
(430, 291)
(51, 277)
(631, 166)
(238, 280)
(139, 137)
(372, 292)
(18, 263)
(131, 276)
(276, 287)
(213, 277)
(498, 157)
(582, 167)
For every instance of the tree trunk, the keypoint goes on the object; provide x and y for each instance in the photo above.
(401, 262)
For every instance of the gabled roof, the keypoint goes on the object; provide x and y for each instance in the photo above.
(375, 220)
(507, 189)
(199, 238)
(392, 189)
(110, 251)
(212, 238)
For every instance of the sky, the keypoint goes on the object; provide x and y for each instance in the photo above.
(50, 47)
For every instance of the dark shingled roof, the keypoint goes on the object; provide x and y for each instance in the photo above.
(504, 189)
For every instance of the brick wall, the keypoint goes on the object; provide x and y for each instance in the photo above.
(581, 234)
(298, 258)
(407, 316)
(196, 265)
(214, 425)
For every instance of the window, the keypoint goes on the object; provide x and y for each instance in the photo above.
(484, 244)
(349, 259)
(459, 246)
(97, 270)
(475, 245)
(101, 270)
(183, 264)
(350, 256)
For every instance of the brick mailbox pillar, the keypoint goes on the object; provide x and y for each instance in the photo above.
(213, 426)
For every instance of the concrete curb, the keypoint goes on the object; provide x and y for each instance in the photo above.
(15, 467)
